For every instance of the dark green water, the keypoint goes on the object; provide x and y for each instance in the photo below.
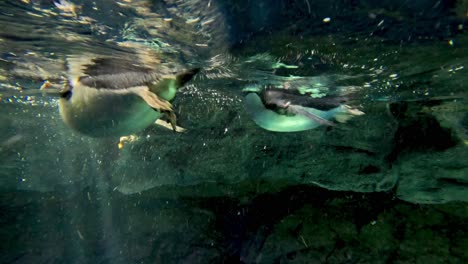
(389, 186)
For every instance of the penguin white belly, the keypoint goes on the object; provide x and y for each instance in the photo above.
(102, 113)
(272, 121)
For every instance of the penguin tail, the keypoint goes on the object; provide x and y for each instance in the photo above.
(184, 77)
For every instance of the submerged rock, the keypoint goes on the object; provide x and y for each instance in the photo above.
(227, 154)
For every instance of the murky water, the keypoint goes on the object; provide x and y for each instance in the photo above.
(388, 186)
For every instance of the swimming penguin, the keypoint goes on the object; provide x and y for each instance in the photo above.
(287, 110)
(115, 97)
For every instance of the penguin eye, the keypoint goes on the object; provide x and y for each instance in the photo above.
(66, 94)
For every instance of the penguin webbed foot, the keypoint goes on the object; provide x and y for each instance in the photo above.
(300, 110)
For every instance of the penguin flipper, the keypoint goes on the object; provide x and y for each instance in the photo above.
(173, 120)
(300, 110)
(347, 113)
(159, 104)
(153, 100)
(168, 125)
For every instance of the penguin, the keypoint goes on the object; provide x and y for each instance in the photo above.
(288, 110)
(110, 97)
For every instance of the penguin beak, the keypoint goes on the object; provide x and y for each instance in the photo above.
(51, 89)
